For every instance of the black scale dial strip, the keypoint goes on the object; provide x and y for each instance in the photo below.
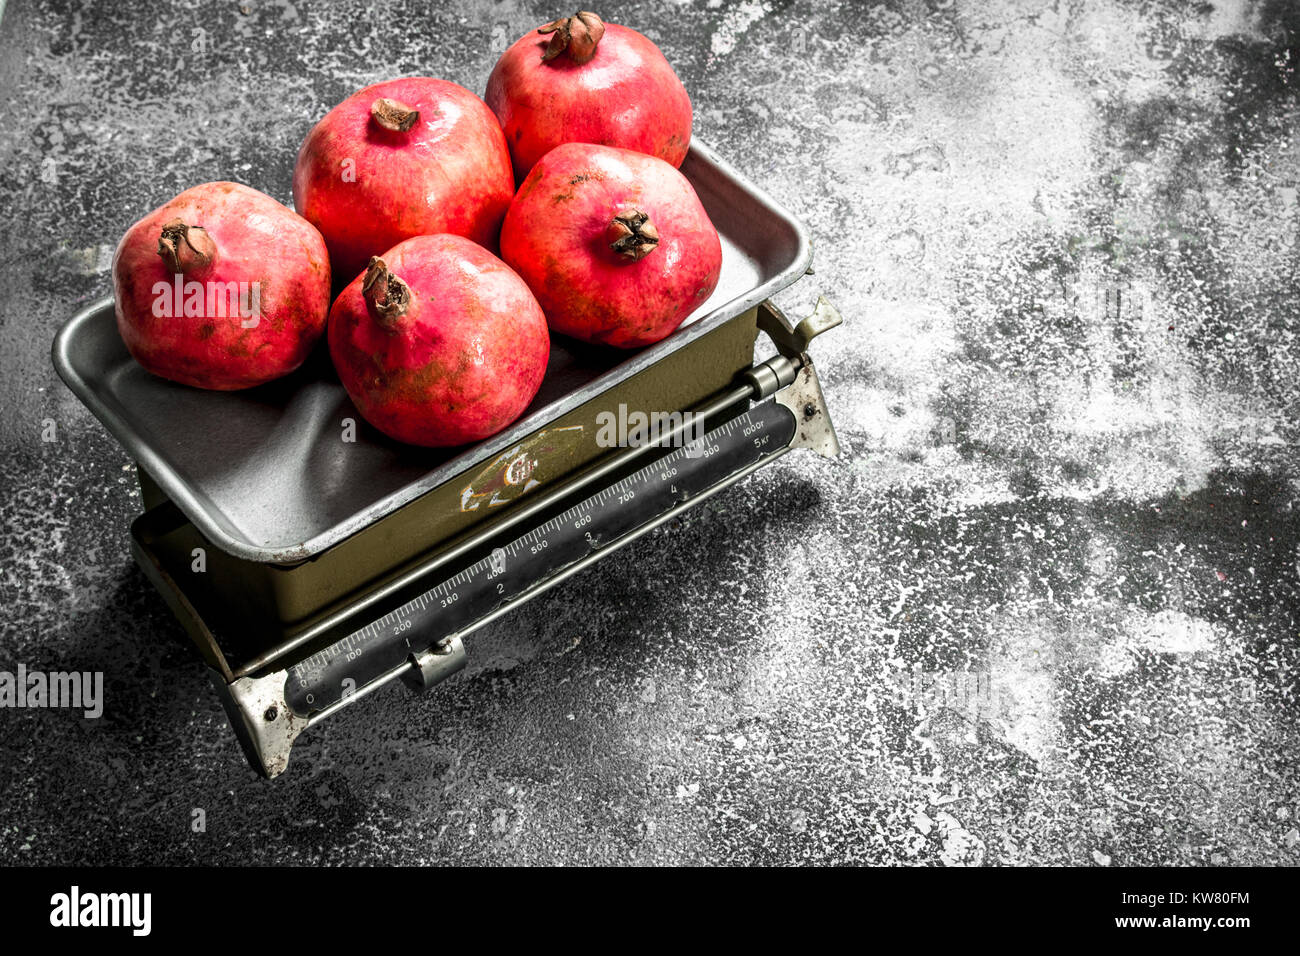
(326, 677)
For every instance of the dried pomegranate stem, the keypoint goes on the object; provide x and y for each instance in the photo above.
(387, 295)
(577, 36)
(392, 115)
(185, 248)
(632, 234)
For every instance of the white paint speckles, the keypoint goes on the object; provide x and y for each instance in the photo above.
(92, 260)
(1227, 18)
(1020, 669)
(735, 22)
(1162, 632)
(960, 846)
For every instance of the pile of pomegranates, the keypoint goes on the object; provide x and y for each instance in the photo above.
(404, 193)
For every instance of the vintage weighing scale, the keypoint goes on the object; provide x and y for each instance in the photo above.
(312, 561)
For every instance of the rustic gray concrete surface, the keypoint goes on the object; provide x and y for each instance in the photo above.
(1043, 610)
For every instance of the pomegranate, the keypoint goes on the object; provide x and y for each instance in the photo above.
(222, 288)
(615, 244)
(407, 157)
(439, 343)
(580, 80)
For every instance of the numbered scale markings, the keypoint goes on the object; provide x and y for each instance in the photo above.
(323, 679)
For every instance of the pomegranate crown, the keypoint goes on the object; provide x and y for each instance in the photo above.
(632, 235)
(185, 248)
(576, 35)
(393, 116)
(385, 293)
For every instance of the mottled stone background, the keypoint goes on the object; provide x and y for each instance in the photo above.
(1043, 610)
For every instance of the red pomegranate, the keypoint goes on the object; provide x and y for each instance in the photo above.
(408, 157)
(439, 343)
(614, 244)
(580, 80)
(222, 287)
